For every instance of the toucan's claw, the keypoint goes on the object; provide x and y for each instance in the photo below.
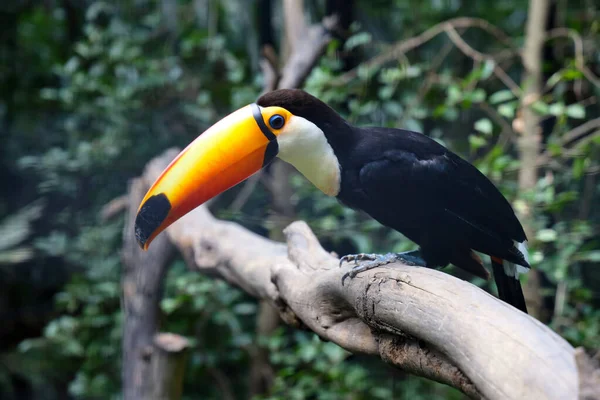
(377, 260)
(359, 257)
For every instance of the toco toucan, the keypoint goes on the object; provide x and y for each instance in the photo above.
(403, 179)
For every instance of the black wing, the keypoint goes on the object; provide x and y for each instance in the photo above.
(435, 188)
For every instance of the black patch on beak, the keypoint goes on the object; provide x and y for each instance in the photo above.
(261, 123)
(273, 146)
(270, 152)
(151, 216)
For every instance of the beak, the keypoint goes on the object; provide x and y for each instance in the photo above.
(226, 154)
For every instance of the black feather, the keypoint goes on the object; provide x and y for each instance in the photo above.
(509, 288)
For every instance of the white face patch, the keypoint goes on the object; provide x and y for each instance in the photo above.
(304, 145)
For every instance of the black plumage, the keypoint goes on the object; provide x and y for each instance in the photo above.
(411, 183)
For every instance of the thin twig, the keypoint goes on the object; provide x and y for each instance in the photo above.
(113, 208)
(244, 194)
(580, 132)
(578, 49)
(507, 130)
(404, 46)
(481, 57)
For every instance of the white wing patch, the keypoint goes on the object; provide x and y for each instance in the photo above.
(512, 269)
(523, 249)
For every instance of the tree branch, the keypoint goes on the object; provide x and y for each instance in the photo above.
(400, 48)
(307, 44)
(168, 357)
(580, 132)
(578, 45)
(478, 56)
(421, 320)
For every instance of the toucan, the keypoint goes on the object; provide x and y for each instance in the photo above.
(405, 180)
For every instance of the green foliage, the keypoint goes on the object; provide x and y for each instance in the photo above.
(85, 340)
(90, 94)
(310, 368)
(219, 321)
(14, 230)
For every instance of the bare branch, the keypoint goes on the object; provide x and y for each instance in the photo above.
(478, 56)
(238, 203)
(580, 132)
(306, 50)
(113, 208)
(270, 70)
(400, 48)
(579, 57)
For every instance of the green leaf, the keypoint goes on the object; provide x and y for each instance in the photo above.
(169, 305)
(484, 126)
(576, 111)
(546, 235)
(501, 96)
(578, 167)
(454, 94)
(386, 92)
(17, 227)
(476, 142)
(488, 68)
(357, 40)
(591, 256)
(557, 109)
(478, 95)
(507, 110)
(540, 107)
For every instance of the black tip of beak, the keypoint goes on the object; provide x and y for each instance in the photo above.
(151, 215)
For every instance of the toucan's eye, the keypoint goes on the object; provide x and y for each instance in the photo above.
(276, 121)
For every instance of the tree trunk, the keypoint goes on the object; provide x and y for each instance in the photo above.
(529, 142)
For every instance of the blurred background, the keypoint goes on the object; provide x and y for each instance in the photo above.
(90, 91)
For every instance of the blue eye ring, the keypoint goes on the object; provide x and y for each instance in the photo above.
(276, 121)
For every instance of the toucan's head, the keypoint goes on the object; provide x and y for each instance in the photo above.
(289, 124)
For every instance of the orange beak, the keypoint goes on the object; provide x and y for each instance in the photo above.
(226, 154)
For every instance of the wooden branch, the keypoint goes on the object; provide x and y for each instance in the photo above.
(476, 55)
(424, 321)
(307, 44)
(167, 367)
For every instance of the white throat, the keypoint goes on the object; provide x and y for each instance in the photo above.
(304, 145)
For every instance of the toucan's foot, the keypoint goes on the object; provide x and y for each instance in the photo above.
(365, 261)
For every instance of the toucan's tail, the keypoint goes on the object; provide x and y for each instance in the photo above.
(506, 275)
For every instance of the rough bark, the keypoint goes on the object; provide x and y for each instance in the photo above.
(143, 274)
(167, 366)
(589, 375)
(423, 321)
